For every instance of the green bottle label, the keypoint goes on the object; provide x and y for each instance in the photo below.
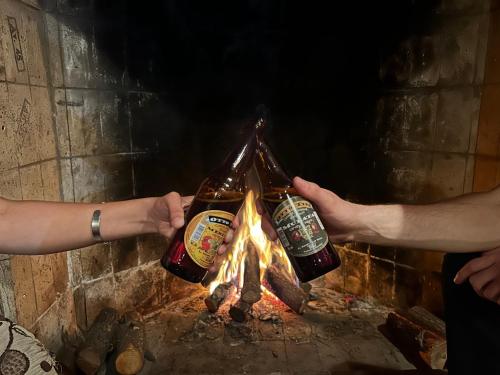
(299, 227)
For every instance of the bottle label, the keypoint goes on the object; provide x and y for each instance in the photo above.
(299, 228)
(205, 233)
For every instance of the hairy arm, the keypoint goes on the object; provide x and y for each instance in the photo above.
(32, 227)
(468, 223)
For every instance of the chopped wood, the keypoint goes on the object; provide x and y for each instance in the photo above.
(240, 312)
(418, 330)
(278, 263)
(281, 286)
(306, 287)
(98, 342)
(251, 292)
(217, 298)
(129, 356)
(427, 319)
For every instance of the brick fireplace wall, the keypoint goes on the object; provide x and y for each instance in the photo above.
(33, 290)
(487, 166)
(434, 136)
(82, 125)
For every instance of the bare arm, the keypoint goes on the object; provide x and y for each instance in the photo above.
(466, 224)
(470, 223)
(31, 227)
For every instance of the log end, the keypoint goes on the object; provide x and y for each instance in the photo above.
(252, 296)
(239, 312)
(437, 356)
(212, 306)
(130, 361)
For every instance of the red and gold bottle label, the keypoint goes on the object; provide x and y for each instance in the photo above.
(205, 233)
(299, 228)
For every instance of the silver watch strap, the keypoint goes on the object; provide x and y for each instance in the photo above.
(95, 225)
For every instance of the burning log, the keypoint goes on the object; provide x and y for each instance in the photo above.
(129, 356)
(98, 342)
(281, 286)
(306, 287)
(251, 292)
(218, 297)
(283, 270)
(240, 312)
(417, 330)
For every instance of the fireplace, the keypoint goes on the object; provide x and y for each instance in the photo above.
(103, 101)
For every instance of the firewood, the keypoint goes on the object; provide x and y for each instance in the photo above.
(251, 292)
(427, 319)
(293, 296)
(129, 356)
(283, 269)
(418, 330)
(306, 287)
(98, 342)
(240, 312)
(218, 297)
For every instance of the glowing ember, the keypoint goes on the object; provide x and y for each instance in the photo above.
(232, 269)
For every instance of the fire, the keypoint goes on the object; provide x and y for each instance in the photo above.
(232, 268)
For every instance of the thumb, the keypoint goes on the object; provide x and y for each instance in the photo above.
(311, 191)
(176, 212)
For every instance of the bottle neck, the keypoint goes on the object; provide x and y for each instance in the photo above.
(231, 174)
(271, 172)
(240, 159)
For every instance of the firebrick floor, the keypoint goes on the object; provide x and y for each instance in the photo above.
(336, 335)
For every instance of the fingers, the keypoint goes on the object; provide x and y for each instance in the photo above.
(214, 267)
(227, 241)
(222, 249)
(266, 225)
(312, 192)
(492, 292)
(186, 201)
(481, 279)
(268, 229)
(483, 274)
(175, 209)
(236, 222)
(341, 238)
(473, 266)
(260, 207)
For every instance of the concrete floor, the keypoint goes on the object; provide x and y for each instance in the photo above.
(336, 335)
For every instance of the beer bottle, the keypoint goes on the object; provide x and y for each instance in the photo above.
(295, 220)
(209, 217)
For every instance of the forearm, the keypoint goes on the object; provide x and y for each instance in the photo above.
(463, 225)
(30, 227)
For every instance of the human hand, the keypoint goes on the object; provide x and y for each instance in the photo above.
(483, 274)
(228, 239)
(337, 215)
(167, 214)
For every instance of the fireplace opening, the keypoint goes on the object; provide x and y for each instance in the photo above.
(380, 102)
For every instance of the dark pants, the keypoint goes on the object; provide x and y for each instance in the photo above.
(472, 324)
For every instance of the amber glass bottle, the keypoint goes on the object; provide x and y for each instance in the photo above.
(214, 207)
(295, 220)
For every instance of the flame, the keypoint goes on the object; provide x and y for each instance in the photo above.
(233, 266)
